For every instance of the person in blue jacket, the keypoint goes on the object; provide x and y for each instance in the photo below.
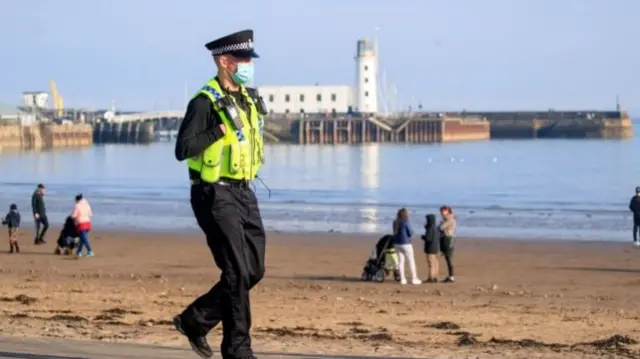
(402, 235)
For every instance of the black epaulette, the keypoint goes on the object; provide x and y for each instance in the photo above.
(252, 92)
(257, 99)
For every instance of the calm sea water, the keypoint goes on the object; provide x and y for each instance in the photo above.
(570, 189)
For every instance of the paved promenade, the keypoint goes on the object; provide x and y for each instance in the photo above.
(21, 348)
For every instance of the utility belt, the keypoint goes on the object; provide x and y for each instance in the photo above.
(223, 181)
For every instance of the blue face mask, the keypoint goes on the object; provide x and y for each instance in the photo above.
(244, 73)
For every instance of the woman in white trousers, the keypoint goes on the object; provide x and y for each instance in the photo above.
(402, 233)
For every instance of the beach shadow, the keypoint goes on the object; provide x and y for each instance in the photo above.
(13, 355)
(591, 269)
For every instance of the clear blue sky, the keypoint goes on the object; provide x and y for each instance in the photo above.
(454, 54)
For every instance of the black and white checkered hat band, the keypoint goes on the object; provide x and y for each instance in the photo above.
(235, 47)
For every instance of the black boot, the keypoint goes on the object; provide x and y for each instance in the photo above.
(11, 247)
(17, 247)
(198, 344)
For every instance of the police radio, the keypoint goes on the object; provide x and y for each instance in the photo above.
(260, 105)
(232, 112)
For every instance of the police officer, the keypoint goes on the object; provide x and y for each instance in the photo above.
(221, 140)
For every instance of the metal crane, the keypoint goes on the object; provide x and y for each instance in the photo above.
(58, 102)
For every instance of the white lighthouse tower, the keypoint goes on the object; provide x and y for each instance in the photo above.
(366, 78)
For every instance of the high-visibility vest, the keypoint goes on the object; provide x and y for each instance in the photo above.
(239, 154)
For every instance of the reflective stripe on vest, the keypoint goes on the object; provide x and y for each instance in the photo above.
(238, 154)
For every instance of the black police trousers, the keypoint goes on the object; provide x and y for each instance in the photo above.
(228, 214)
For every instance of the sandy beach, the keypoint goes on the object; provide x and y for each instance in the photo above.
(513, 299)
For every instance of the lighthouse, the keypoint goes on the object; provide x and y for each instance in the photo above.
(366, 88)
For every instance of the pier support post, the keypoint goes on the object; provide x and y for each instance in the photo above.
(301, 127)
(349, 123)
(363, 130)
(335, 132)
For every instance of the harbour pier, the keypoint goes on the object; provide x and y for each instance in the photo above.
(139, 128)
(319, 130)
(415, 127)
(134, 132)
(45, 136)
(557, 124)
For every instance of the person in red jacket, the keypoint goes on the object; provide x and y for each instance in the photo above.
(82, 216)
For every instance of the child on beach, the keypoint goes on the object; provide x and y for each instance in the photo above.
(404, 249)
(12, 221)
(432, 247)
(447, 229)
(82, 216)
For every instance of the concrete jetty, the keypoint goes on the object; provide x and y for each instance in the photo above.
(45, 136)
(557, 124)
(22, 348)
(405, 129)
(136, 132)
(411, 127)
(450, 127)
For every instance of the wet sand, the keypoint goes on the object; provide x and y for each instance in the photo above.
(513, 299)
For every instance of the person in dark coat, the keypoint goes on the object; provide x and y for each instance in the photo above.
(39, 214)
(634, 207)
(12, 221)
(447, 238)
(431, 240)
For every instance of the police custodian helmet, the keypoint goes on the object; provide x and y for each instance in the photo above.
(239, 44)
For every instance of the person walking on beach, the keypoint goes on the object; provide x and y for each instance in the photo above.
(447, 229)
(432, 247)
(12, 221)
(39, 214)
(404, 248)
(82, 216)
(634, 207)
(221, 140)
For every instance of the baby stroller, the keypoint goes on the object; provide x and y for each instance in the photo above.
(68, 239)
(382, 261)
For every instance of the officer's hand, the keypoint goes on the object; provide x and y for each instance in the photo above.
(36, 216)
(223, 128)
